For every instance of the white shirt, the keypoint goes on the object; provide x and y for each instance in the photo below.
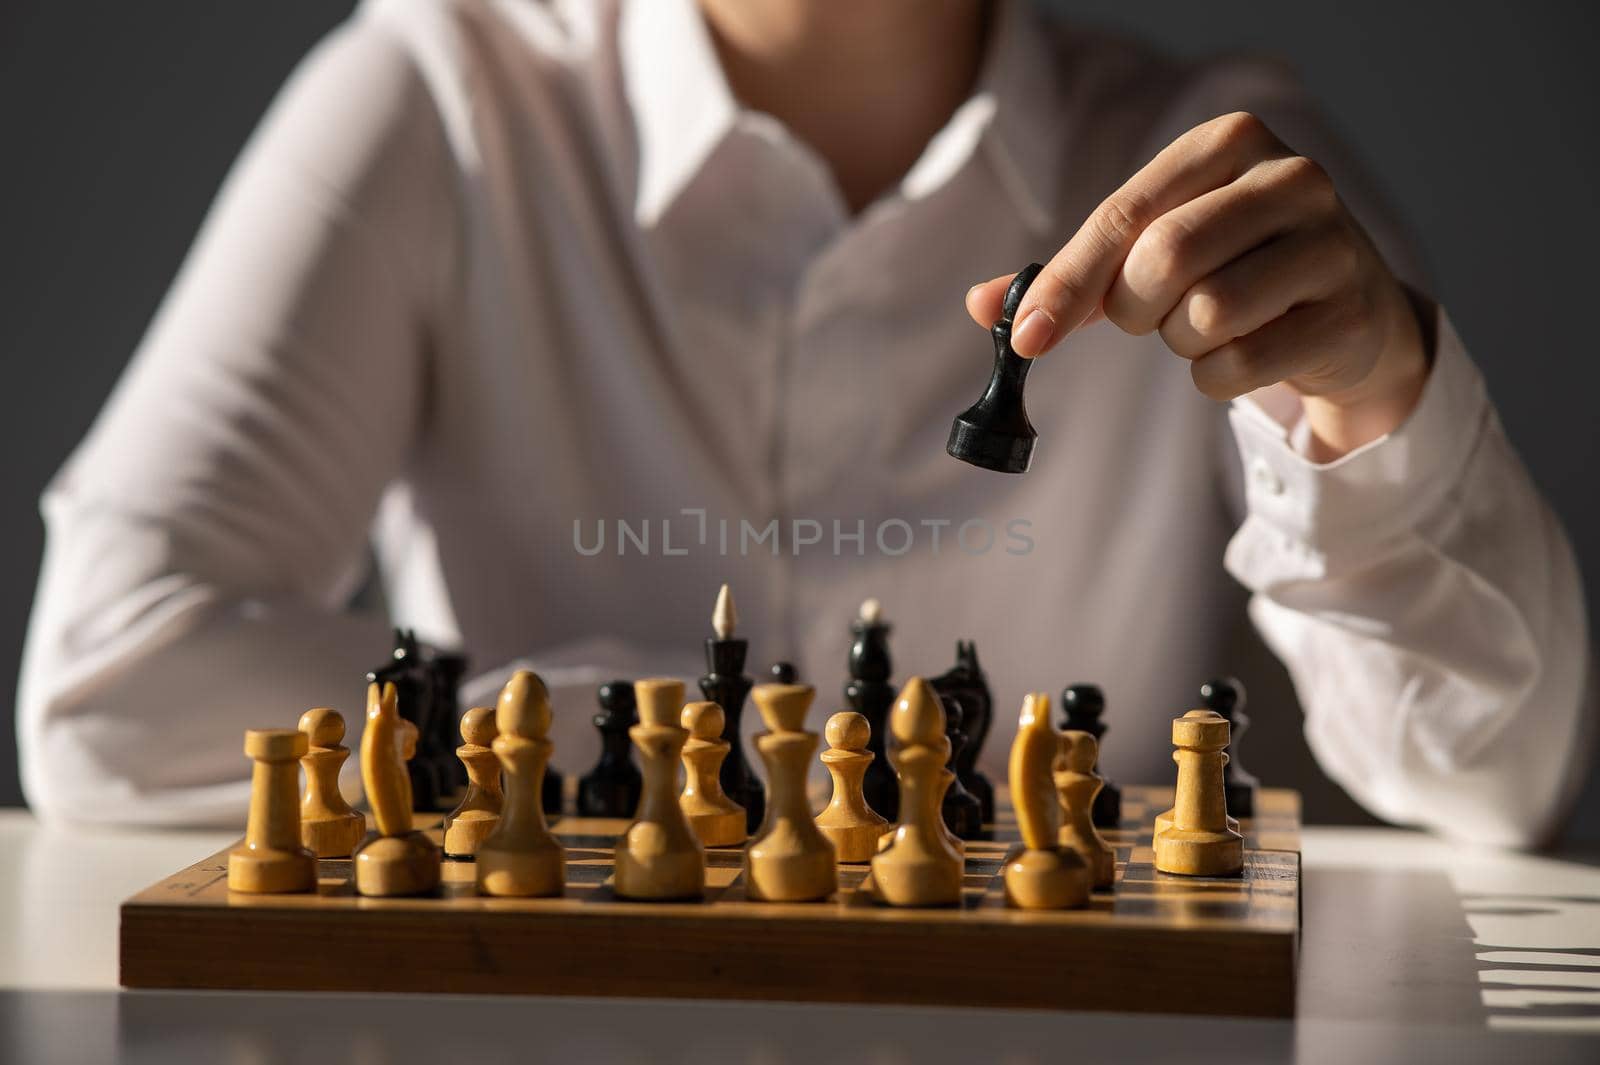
(492, 273)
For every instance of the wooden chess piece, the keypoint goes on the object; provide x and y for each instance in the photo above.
(790, 860)
(918, 867)
(411, 673)
(1225, 695)
(1198, 841)
(1083, 705)
(715, 818)
(995, 433)
(659, 857)
(1076, 785)
(520, 857)
(328, 824)
(851, 825)
(611, 788)
(969, 686)
(725, 684)
(962, 812)
(469, 824)
(947, 780)
(445, 670)
(870, 694)
(272, 860)
(398, 860)
(1043, 875)
(551, 790)
(1163, 820)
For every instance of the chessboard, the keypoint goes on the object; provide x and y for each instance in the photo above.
(1153, 943)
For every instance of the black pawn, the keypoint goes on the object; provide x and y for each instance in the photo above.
(966, 682)
(870, 694)
(1083, 704)
(995, 433)
(963, 814)
(1226, 696)
(784, 673)
(612, 787)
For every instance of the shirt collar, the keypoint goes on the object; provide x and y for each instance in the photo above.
(683, 108)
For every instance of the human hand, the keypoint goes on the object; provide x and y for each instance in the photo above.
(1242, 255)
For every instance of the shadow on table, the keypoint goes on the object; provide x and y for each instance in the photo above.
(1538, 960)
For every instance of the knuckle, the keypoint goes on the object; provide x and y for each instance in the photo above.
(1168, 247)
(1211, 309)
(1238, 129)
(1311, 178)
(1118, 221)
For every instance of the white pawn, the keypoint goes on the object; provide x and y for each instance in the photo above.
(1076, 786)
(715, 818)
(850, 824)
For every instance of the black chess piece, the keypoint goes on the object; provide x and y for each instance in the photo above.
(1083, 705)
(447, 670)
(550, 791)
(1226, 696)
(870, 694)
(612, 787)
(726, 685)
(995, 433)
(966, 683)
(784, 673)
(963, 813)
(414, 691)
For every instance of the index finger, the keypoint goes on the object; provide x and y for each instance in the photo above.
(1075, 281)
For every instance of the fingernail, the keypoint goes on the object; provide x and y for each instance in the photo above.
(1033, 334)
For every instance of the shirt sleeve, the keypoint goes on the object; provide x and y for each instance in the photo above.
(1420, 591)
(1428, 607)
(204, 539)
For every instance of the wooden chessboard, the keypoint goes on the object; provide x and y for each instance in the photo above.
(1153, 943)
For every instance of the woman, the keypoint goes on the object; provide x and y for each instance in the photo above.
(580, 309)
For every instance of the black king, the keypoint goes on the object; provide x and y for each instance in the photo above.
(726, 685)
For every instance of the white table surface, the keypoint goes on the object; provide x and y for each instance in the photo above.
(1413, 950)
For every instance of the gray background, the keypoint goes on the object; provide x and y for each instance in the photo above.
(118, 121)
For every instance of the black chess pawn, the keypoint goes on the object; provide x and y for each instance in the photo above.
(1225, 695)
(612, 787)
(995, 433)
(784, 673)
(966, 682)
(963, 814)
(1083, 704)
(870, 694)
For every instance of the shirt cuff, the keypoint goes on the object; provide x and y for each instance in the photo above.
(1379, 489)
